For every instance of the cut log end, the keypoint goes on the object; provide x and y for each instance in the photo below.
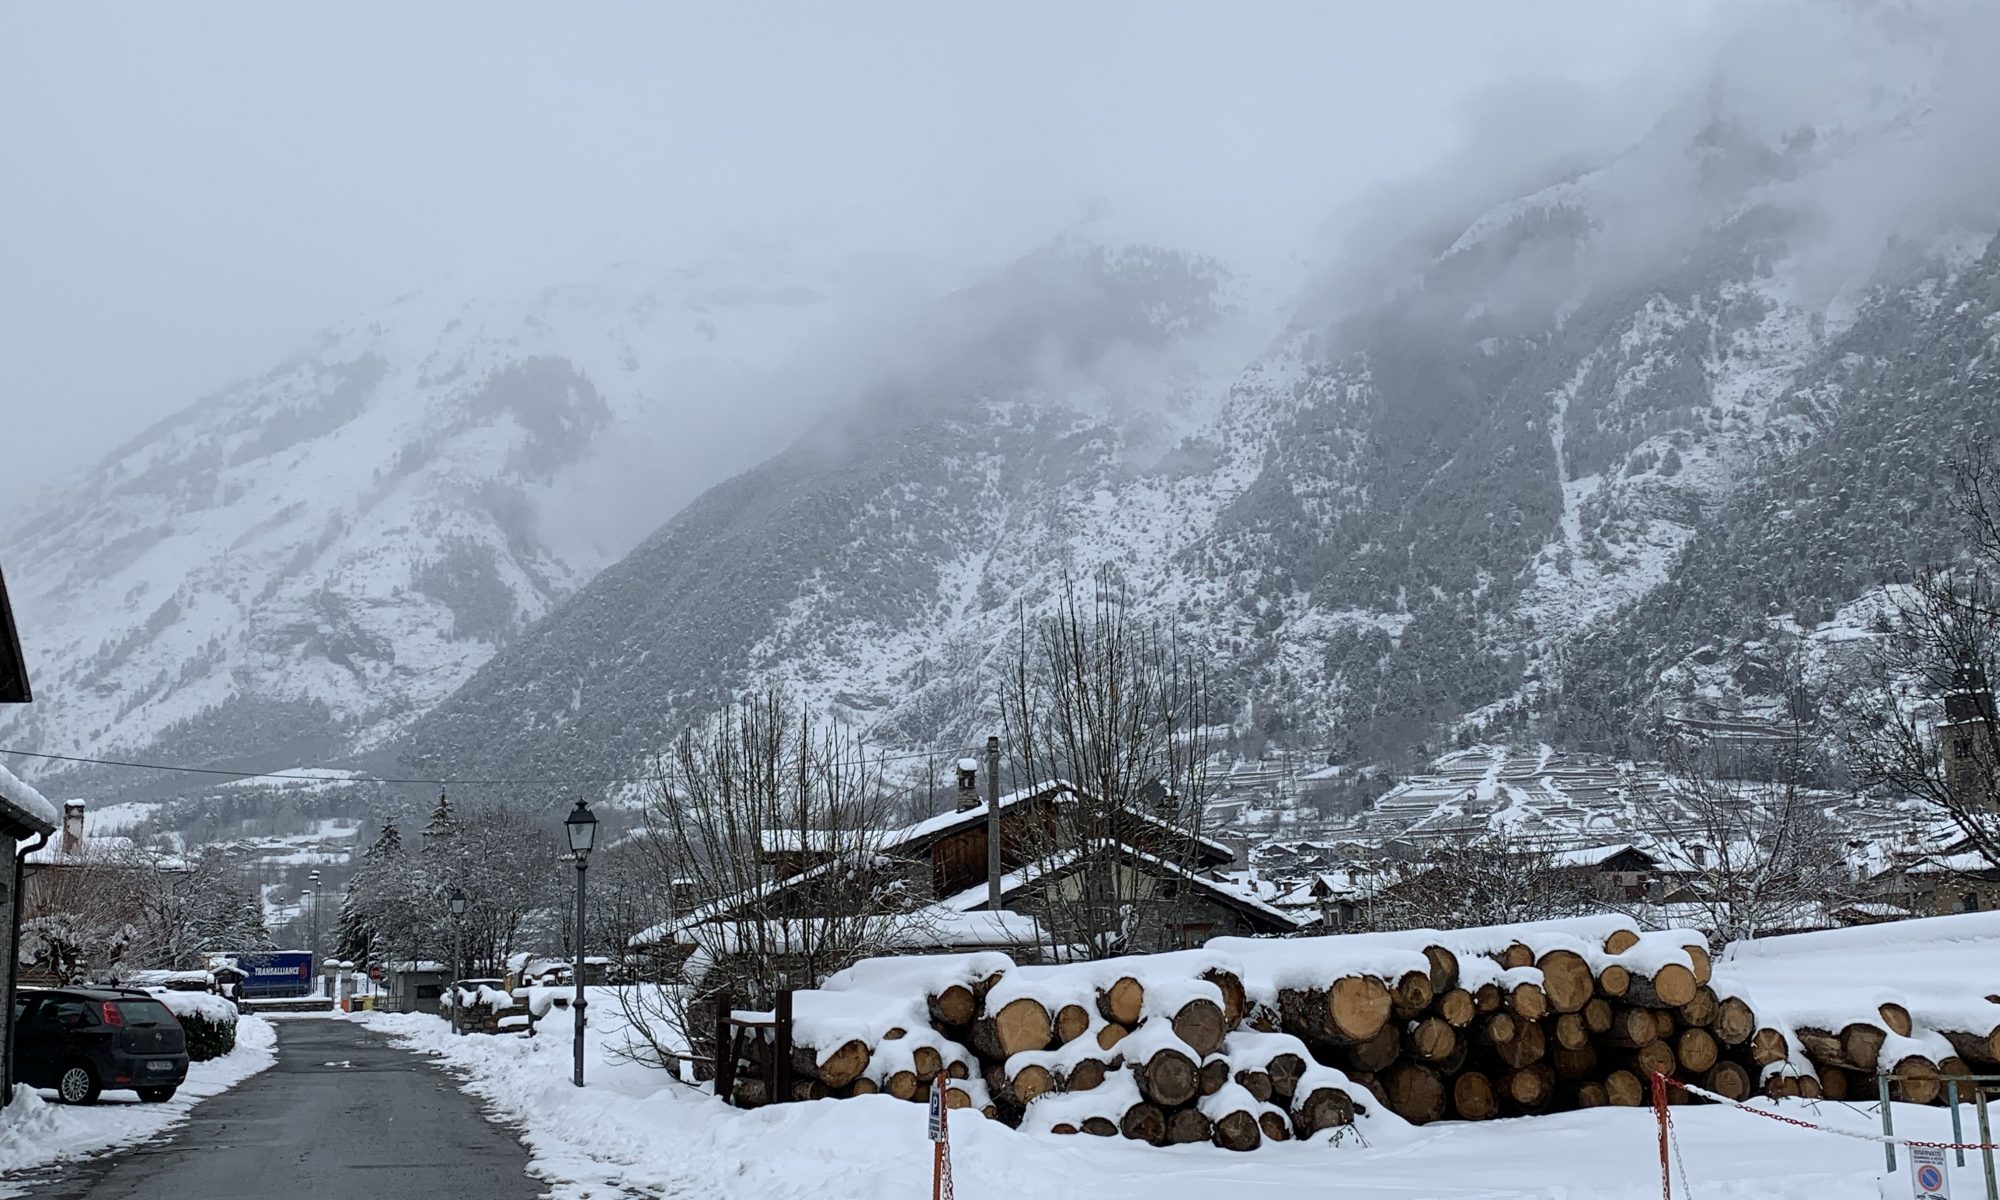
(1201, 1024)
(1323, 1108)
(1144, 1123)
(1238, 1131)
(1415, 1093)
(1188, 1126)
(1358, 1006)
(1567, 980)
(1472, 1097)
(955, 1005)
(1123, 1002)
(1022, 1024)
(1169, 1078)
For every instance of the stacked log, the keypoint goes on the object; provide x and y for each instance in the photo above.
(1247, 1042)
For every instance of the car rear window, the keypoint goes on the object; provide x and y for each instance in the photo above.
(144, 1012)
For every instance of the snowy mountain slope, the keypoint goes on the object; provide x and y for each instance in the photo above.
(291, 568)
(1384, 527)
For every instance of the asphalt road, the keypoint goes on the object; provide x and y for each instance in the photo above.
(342, 1113)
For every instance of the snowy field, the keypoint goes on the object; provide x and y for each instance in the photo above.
(35, 1131)
(633, 1132)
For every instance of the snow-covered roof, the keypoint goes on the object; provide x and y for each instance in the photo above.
(973, 898)
(1331, 885)
(931, 927)
(932, 828)
(1591, 856)
(820, 840)
(104, 850)
(30, 807)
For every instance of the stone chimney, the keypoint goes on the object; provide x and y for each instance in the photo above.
(72, 829)
(968, 784)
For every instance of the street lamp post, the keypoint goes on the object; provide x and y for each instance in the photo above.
(457, 955)
(581, 826)
(314, 877)
(306, 899)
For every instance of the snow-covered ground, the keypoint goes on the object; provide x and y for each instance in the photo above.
(35, 1131)
(634, 1132)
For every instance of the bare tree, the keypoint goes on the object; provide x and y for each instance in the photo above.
(1115, 705)
(1924, 725)
(184, 908)
(118, 908)
(766, 829)
(1471, 878)
(1752, 855)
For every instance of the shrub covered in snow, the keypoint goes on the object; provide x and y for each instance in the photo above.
(208, 1020)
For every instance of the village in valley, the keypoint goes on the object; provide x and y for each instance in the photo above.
(1122, 600)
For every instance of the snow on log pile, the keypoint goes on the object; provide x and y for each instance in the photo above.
(1252, 1040)
(1916, 1000)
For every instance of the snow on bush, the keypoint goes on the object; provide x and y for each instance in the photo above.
(208, 1020)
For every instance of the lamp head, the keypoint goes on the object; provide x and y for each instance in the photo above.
(581, 826)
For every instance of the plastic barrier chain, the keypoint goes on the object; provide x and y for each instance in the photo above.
(1876, 1138)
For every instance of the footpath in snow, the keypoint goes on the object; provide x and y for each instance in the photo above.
(36, 1132)
(635, 1132)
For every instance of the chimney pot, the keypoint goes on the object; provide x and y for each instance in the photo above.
(968, 784)
(72, 830)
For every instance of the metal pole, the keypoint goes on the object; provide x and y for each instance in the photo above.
(1888, 1121)
(457, 969)
(1659, 1086)
(1957, 1126)
(580, 1003)
(993, 823)
(1986, 1140)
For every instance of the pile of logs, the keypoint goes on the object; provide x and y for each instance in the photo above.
(1249, 1042)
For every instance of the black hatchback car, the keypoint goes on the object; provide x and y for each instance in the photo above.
(82, 1041)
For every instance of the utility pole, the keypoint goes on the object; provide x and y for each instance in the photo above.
(993, 823)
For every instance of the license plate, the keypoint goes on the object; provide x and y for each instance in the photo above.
(160, 1064)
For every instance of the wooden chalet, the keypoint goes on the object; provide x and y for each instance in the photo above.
(942, 862)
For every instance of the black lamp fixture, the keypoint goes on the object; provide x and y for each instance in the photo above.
(458, 902)
(581, 825)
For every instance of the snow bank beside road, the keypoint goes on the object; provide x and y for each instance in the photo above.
(36, 1132)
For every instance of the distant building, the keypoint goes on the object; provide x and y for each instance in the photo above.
(1966, 738)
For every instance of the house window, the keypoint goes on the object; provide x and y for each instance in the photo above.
(1192, 935)
(1961, 746)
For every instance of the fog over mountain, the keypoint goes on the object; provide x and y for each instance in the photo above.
(1522, 396)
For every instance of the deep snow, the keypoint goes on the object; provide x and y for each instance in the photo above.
(633, 1132)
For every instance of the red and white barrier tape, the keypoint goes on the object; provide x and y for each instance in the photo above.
(1876, 1138)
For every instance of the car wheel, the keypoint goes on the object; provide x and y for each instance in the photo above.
(78, 1085)
(156, 1095)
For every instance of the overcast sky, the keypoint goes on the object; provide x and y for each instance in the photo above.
(190, 191)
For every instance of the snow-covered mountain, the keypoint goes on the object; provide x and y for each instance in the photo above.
(291, 569)
(1417, 515)
(1573, 465)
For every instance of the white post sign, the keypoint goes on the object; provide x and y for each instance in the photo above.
(1928, 1177)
